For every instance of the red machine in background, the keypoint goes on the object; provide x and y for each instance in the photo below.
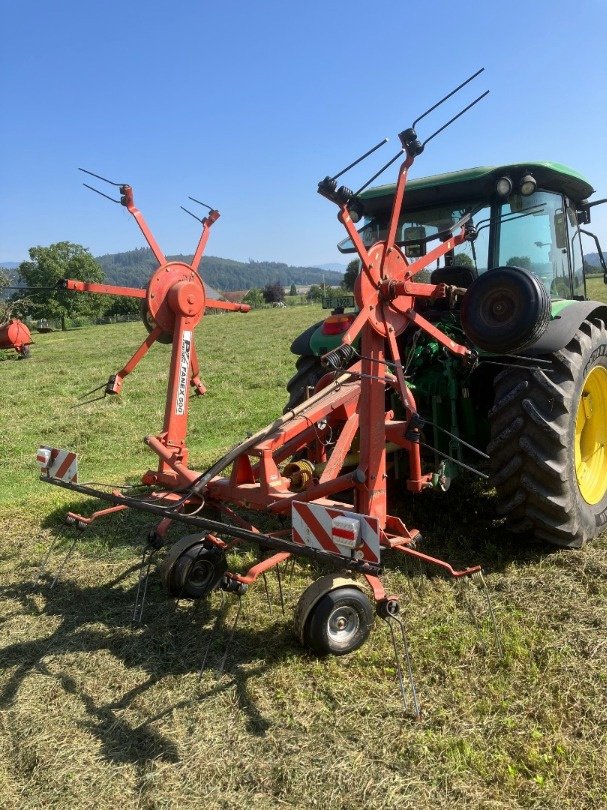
(15, 335)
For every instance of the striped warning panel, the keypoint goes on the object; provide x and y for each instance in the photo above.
(334, 530)
(62, 464)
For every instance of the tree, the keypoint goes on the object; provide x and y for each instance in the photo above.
(519, 261)
(314, 293)
(352, 271)
(273, 293)
(122, 305)
(50, 264)
(463, 260)
(293, 290)
(254, 298)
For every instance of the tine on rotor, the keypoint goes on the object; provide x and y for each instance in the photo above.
(219, 620)
(142, 585)
(281, 595)
(44, 563)
(64, 562)
(265, 585)
(479, 580)
(390, 621)
(291, 569)
(224, 657)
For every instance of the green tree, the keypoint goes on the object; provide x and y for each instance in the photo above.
(463, 260)
(50, 264)
(352, 271)
(519, 261)
(314, 293)
(254, 298)
(293, 290)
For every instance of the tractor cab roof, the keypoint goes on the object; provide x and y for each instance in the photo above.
(477, 183)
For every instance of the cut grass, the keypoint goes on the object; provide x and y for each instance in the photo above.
(93, 714)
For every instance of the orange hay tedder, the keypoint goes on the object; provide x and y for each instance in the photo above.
(300, 466)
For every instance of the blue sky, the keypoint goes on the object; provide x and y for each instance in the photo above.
(246, 105)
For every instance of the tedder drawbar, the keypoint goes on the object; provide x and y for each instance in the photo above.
(323, 463)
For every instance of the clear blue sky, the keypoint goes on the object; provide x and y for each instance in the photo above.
(246, 105)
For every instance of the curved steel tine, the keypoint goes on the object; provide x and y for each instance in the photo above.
(224, 657)
(478, 576)
(416, 707)
(265, 585)
(221, 614)
(142, 586)
(64, 562)
(281, 595)
(45, 560)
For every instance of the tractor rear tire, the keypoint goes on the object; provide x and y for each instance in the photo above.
(309, 371)
(549, 442)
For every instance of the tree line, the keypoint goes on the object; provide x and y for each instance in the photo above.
(43, 299)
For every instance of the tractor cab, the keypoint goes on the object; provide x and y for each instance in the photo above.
(523, 215)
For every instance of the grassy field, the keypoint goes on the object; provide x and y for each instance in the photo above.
(94, 714)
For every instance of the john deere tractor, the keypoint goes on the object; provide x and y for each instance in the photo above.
(535, 402)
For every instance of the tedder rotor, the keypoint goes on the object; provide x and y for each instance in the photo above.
(322, 463)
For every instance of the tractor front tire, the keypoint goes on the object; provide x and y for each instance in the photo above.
(549, 442)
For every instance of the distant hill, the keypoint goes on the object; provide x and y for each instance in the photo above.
(134, 268)
(593, 260)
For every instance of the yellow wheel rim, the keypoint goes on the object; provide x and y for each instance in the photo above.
(591, 437)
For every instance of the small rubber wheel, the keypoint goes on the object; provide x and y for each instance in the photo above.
(505, 310)
(196, 572)
(24, 352)
(339, 623)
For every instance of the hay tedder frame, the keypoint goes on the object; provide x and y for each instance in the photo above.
(323, 463)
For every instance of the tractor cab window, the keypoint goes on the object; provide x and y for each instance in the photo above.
(421, 231)
(532, 233)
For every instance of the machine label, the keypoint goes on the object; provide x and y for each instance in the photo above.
(184, 373)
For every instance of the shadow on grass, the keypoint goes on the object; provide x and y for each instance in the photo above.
(458, 526)
(171, 642)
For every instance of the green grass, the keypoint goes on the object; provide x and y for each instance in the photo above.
(93, 714)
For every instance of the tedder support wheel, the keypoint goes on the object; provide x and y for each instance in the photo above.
(308, 373)
(193, 568)
(549, 442)
(339, 623)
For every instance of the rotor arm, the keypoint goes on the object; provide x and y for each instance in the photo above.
(127, 200)
(212, 217)
(100, 289)
(115, 381)
(227, 305)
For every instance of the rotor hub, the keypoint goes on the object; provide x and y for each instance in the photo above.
(175, 289)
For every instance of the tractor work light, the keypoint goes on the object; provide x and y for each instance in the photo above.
(528, 185)
(504, 186)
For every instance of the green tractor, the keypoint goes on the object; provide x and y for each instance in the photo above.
(535, 403)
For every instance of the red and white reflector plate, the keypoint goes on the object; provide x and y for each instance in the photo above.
(60, 464)
(345, 533)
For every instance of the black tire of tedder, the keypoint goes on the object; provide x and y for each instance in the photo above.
(193, 569)
(532, 445)
(505, 310)
(308, 373)
(339, 623)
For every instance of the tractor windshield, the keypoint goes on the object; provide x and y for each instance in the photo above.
(420, 231)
